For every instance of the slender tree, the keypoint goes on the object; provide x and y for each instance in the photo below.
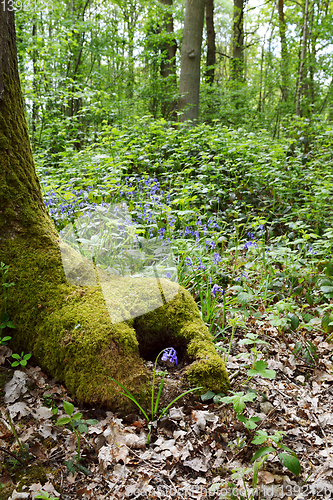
(189, 82)
(211, 44)
(168, 63)
(237, 61)
(302, 60)
(284, 51)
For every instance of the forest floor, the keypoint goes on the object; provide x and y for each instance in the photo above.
(193, 453)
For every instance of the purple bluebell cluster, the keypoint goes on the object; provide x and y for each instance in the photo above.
(170, 354)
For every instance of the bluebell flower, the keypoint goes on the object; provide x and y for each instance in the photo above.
(168, 275)
(188, 262)
(217, 258)
(201, 265)
(217, 289)
(170, 354)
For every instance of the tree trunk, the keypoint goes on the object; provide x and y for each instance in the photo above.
(168, 64)
(284, 51)
(66, 327)
(211, 45)
(237, 62)
(302, 60)
(189, 82)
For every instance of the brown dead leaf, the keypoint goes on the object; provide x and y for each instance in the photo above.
(37, 450)
(265, 477)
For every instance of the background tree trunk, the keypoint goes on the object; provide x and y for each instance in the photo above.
(68, 328)
(302, 60)
(284, 51)
(211, 45)
(237, 62)
(168, 64)
(189, 82)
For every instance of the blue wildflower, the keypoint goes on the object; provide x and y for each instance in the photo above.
(188, 262)
(168, 275)
(217, 258)
(170, 354)
(217, 289)
(201, 265)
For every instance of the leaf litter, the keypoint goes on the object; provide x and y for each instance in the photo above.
(194, 450)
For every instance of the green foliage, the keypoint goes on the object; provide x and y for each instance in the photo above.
(21, 359)
(79, 426)
(168, 354)
(44, 495)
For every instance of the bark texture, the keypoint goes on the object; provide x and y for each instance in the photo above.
(237, 62)
(211, 45)
(284, 51)
(168, 64)
(299, 91)
(66, 327)
(189, 82)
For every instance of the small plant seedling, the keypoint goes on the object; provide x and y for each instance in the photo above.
(21, 360)
(168, 354)
(4, 340)
(44, 495)
(79, 427)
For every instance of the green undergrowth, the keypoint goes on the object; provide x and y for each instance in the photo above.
(242, 211)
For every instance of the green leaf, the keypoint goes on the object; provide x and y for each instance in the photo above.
(5, 339)
(4, 318)
(70, 466)
(63, 421)
(238, 400)
(260, 437)
(248, 423)
(291, 462)
(82, 428)
(329, 270)
(262, 451)
(244, 298)
(207, 396)
(16, 356)
(91, 421)
(16, 363)
(260, 368)
(83, 469)
(77, 416)
(68, 407)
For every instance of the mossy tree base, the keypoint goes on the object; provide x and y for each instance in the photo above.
(69, 331)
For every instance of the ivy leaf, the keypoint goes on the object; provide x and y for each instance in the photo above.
(260, 437)
(260, 368)
(238, 400)
(249, 423)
